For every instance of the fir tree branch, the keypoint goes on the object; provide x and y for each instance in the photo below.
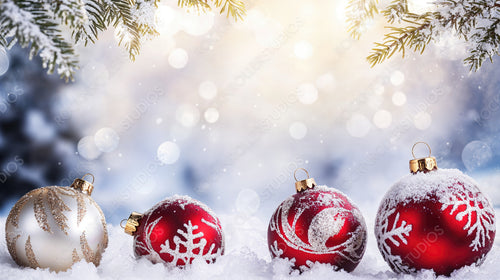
(120, 15)
(234, 8)
(475, 21)
(29, 25)
(359, 12)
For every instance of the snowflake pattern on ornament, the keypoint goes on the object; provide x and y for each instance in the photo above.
(187, 244)
(455, 191)
(475, 206)
(190, 245)
(385, 234)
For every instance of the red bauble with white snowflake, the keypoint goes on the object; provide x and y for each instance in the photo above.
(317, 224)
(434, 219)
(176, 231)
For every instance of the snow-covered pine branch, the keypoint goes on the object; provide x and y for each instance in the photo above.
(29, 23)
(38, 25)
(477, 22)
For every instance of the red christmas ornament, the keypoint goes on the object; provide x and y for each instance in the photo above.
(434, 219)
(176, 231)
(317, 224)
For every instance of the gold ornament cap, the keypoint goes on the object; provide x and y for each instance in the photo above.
(132, 223)
(83, 185)
(303, 185)
(425, 164)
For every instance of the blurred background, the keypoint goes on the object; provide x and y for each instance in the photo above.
(225, 112)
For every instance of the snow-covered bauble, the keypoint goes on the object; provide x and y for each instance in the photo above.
(55, 227)
(434, 219)
(176, 231)
(317, 224)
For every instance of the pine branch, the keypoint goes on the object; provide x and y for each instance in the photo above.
(28, 23)
(475, 21)
(359, 12)
(120, 16)
(37, 25)
(234, 8)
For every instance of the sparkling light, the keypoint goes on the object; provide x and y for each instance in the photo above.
(168, 152)
(358, 125)
(247, 201)
(399, 98)
(397, 78)
(307, 93)
(106, 139)
(326, 82)
(422, 120)
(207, 90)
(87, 148)
(476, 154)
(211, 115)
(178, 58)
(166, 19)
(197, 24)
(382, 119)
(303, 50)
(187, 115)
(298, 130)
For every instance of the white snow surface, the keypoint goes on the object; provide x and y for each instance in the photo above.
(246, 257)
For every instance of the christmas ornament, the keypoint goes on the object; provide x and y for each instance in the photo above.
(317, 224)
(176, 231)
(434, 219)
(55, 227)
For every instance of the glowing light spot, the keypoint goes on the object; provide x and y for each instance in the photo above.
(178, 58)
(422, 120)
(476, 154)
(326, 82)
(397, 78)
(106, 139)
(207, 90)
(399, 98)
(187, 115)
(168, 152)
(303, 50)
(358, 126)
(211, 115)
(382, 119)
(87, 148)
(298, 130)
(307, 93)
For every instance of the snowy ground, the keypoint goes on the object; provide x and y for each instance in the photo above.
(246, 257)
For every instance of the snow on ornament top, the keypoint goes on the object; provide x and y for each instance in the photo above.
(430, 213)
(176, 231)
(318, 224)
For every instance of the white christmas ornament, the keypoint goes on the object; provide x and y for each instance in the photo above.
(55, 227)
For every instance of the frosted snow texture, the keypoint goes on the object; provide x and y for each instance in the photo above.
(415, 188)
(246, 257)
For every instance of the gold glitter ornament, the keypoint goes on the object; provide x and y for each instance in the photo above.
(55, 227)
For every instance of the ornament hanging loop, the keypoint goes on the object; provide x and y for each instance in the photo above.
(425, 164)
(88, 174)
(303, 185)
(83, 185)
(420, 142)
